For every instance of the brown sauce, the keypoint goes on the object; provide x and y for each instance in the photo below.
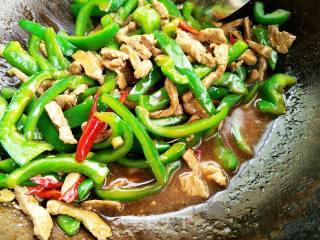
(253, 124)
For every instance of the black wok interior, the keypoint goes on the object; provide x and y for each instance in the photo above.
(274, 196)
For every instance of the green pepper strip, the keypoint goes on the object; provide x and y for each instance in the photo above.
(240, 139)
(171, 28)
(237, 50)
(132, 194)
(170, 121)
(8, 165)
(271, 91)
(96, 171)
(37, 29)
(3, 106)
(54, 52)
(173, 154)
(117, 129)
(172, 8)
(160, 98)
(110, 83)
(144, 85)
(68, 225)
(171, 48)
(252, 92)
(21, 150)
(217, 92)
(147, 18)
(7, 92)
(167, 67)
(181, 130)
(110, 154)
(225, 157)
(19, 58)
(230, 101)
(279, 16)
(38, 108)
(234, 83)
(34, 50)
(78, 114)
(262, 36)
(84, 189)
(93, 41)
(126, 10)
(112, 6)
(187, 14)
(148, 147)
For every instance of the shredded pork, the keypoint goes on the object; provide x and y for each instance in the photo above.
(55, 113)
(91, 63)
(263, 66)
(194, 48)
(41, 219)
(162, 10)
(281, 41)
(69, 181)
(212, 35)
(6, 196)
(175, 107)
(105, 204)
(90, 220)
(214, 173)
(262, 50)
(18, 74)
(249, 57)
(247, 28)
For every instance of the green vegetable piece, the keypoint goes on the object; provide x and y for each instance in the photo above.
(78, 114)
(278, 17)
(171, 28)
(126, 10)
(84, 189)
(19, 58)
(149, 150)
(7, 92)
(8, 165)
(132, 194)
(240, 139)
(230, 101)
(55, 55)
(172, 8)
(217, 92)
(144, 85)
(225, 157)
(272, 101)
(262, 36)
(170, 121)
(184, 130)
(96, 171)
(34, 50)
(68, 225)
(3, 106)
(147, 18)
(173, 154)
(167, 67)
(187, 10)
(233, 82)
(252, 92)
(237, 50)
(19, 149)
(182, 64)
(37, 29)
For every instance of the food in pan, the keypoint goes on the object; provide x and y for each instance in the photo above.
(148, 107)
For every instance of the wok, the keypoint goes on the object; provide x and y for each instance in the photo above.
(276, 195)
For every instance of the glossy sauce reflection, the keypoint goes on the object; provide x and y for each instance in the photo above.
(253, 124)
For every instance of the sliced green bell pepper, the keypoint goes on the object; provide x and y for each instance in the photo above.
(278, 17)
(19, 58)
(19, 149)
(233, 82)
(147, 18)
(68, 225)
(271, 92)
(132, 194)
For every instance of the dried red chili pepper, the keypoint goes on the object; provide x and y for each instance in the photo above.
(184, 26)
(90, 133)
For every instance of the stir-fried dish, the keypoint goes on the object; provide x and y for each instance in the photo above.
(144, 109)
